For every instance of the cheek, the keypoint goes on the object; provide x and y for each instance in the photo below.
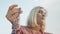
(39, 14)
(38, 19)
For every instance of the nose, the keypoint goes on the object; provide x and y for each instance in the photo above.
(43, 15)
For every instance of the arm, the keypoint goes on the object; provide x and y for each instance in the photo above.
(13, 17)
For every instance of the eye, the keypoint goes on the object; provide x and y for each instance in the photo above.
(40, 11)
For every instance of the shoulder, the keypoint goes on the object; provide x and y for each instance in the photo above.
(24, 28)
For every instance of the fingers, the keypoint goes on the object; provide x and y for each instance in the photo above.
(14, 17)
(13, 13)
(12, 7)
(17, 10)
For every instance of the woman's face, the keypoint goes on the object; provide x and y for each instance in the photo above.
(41, 16)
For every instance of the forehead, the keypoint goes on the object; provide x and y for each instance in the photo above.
(42, 10)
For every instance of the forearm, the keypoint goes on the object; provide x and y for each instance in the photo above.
(12, 15)
(15, 26)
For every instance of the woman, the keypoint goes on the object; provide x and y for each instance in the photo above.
(36, 21)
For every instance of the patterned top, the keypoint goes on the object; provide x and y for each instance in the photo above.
(26, 30)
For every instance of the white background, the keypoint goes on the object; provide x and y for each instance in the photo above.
(52, 20)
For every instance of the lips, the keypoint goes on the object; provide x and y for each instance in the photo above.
(42, 18)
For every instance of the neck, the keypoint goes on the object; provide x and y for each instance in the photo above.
(37, 28)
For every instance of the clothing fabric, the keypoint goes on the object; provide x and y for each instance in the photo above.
(26, 30)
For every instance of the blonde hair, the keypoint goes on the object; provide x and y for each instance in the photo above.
(32, 17)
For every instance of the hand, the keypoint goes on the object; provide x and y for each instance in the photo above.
(13, 13)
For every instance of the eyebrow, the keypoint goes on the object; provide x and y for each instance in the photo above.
(40, 11)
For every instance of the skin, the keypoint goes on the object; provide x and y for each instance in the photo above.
(40, 18)
(14, 12)
(41, 15)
